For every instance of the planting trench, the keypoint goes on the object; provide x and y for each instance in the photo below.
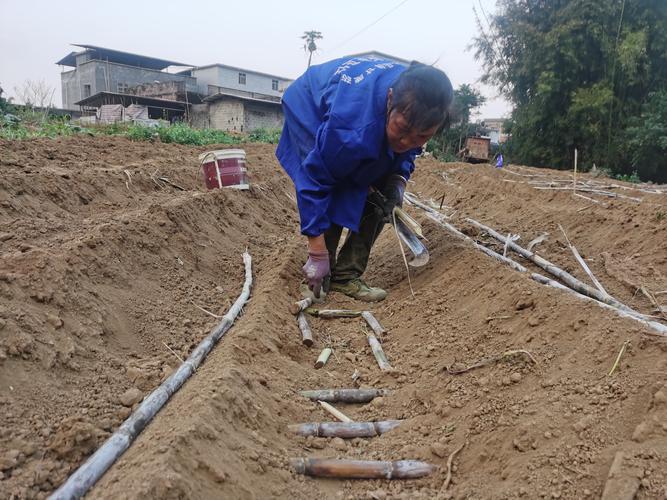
(100, 272)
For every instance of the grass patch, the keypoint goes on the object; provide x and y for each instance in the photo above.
(633, 177)
(31, 125)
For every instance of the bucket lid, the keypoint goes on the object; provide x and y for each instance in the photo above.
(222, 154)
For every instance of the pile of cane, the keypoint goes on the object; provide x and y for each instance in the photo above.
(346, 428)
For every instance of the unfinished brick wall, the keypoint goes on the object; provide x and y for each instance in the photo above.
(172, 91)
(237, 115)
(260, 115)
(199, 116)
(227, 114)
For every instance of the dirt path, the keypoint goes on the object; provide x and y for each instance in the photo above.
(99, 272)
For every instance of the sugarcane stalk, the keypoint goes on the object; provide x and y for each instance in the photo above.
(345, 430)
(323, 358)
(299, 306)
(567, 278)
(373, 323)
(335, 412)
(345, 395)
(378, 352)
(306, 333)
(622, 310)
(78, 484)
(361, 469)
(332, 313)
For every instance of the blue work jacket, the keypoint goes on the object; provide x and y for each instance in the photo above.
(333, 144)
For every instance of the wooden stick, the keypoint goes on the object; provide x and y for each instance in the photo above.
(589, 190)
(659, 309)
(586, 198)
(306, 333)
(332, 313)
(373, 323)
(173, 352)
(378, 352)
(345, 395)
(345, 430)
(448, 478)
(167, 181)
(323, 358)
(205, 310)
(574, 178)
(361, 469)
(487, 361)
(336, 413)
(618, 358)
(299, 306)
(583, 264)
(537, 241)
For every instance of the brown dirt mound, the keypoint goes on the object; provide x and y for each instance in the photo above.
(101, 269)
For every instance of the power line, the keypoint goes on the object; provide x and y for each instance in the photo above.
(370, 25)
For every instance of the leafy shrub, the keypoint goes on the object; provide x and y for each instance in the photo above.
(272, 135)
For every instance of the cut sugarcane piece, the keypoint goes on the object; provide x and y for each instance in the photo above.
(361, 469)
(332, 313)
(323, 358)
(299, 306)
(380, 357)
(306, 332)
(345, 395)
(345, 430)
(373, 323)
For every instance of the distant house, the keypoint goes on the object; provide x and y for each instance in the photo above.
(237, 99)
(217, 95)
(98, 69)
(495, 127)
(238, 111)
(220, 77)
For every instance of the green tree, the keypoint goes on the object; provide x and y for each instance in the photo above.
(447, 142)
(309, 42)
(5, 106)
(647, 139)
(577, 72)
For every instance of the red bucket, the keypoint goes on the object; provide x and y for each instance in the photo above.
(225, 168)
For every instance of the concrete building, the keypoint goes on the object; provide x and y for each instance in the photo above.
(215, 78)
(98, 69)
(217, 96)
(495, 127)
(238, 111)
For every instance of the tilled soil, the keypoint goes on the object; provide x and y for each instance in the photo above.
(105, 270)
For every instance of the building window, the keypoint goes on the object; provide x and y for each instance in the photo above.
(123, 88)
(274, 84)
(86, 91)
(242, 78)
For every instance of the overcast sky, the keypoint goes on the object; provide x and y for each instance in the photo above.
(261, 35)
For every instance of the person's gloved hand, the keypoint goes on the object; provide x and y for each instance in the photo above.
(393, 191)
(316, 269)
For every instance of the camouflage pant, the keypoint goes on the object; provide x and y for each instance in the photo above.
(353, 256)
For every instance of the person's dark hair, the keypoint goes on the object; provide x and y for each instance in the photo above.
(423, 95)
